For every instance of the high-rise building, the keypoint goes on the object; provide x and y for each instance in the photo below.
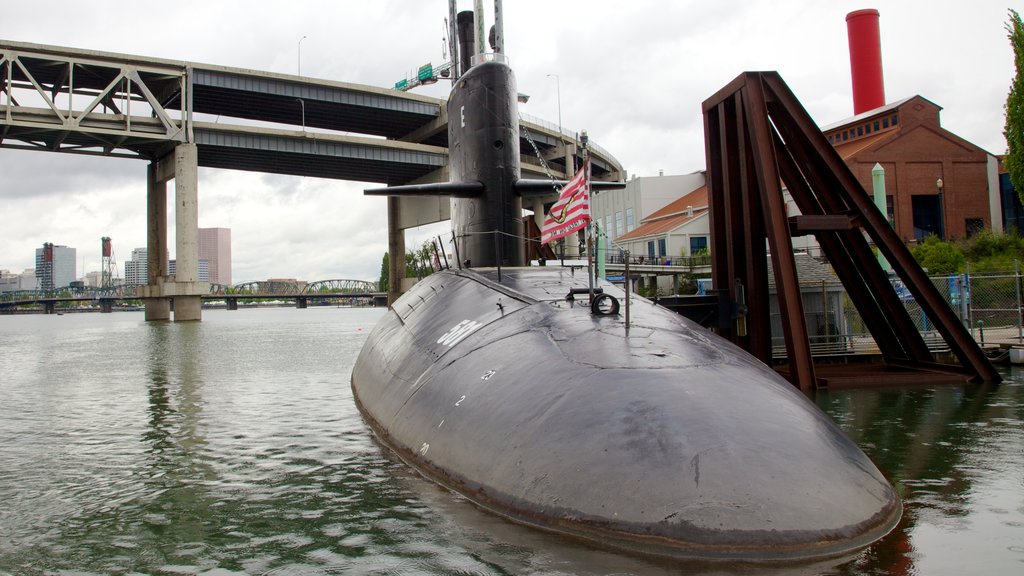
(215, 248)
(136, 270)
(93, 279)
(8, 282)
(16, 282)
(55, 266)
(204, 269)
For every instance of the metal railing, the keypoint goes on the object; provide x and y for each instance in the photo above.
(989, 305)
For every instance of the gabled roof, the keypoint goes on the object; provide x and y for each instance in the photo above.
(697, 199)
(870, 113)
(675, 214)
(849, 149)
(809, 270)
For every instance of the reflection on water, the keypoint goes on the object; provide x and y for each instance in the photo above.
(956, 454)
(232, 446)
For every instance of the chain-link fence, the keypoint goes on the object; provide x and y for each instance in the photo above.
(989, 306)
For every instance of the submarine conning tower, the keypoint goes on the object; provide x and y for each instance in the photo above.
(483, 136)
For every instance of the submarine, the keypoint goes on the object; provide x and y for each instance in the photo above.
(509, 385)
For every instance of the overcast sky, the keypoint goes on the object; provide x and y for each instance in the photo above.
(632, 73)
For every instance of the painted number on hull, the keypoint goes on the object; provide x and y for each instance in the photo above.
(458, 332)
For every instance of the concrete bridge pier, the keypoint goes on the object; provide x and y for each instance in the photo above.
(396, 250)
(231, 303)
(184, 287)
(106, 306)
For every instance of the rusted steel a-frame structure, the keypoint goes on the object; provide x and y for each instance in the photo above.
(758, 137)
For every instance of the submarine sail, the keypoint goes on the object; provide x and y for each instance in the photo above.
(658, 437)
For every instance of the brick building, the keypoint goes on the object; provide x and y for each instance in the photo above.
(935, 181)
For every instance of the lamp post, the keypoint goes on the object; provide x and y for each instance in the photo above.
(942, 211)
(558, 93)
(298, 63)
(570, 167)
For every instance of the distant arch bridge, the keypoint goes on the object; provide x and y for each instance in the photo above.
(295, 287)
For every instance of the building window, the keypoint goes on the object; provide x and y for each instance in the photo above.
(608, 230)
(662, 247)
(973, 226)
(876, 125)
(895, 119)
(867, 129)
(890, 212)
(885, 122)
(618, 224)
(629, 219)
(650, 250)
(860, 130)
(846, 135)
(698, 245)
(926, 216)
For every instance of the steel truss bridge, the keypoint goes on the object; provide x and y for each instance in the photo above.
(71, 100)
(301, 292)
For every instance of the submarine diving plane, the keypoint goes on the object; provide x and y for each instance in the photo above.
(501, 382)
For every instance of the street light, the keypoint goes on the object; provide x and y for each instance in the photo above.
(942, 211)
(558, 88)
(298, 65)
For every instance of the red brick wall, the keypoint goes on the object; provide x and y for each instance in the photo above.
(920, 153)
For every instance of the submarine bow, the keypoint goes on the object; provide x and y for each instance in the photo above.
(665, 440)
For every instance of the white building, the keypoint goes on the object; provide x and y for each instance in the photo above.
(56, 267)
(619, 212)
(136, 270)
(678, 230)
(93, 279)
(8, 282)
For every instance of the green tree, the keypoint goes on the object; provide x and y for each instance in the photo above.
(938, 257)
(1014, 130)
(385, 274)
(419, 263)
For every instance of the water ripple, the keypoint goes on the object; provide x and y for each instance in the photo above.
(232, 446)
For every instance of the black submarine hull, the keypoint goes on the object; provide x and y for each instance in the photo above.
(663, 439)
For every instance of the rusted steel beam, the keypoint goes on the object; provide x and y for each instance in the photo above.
(787, 283)
(805, 224)
(927, 296)
(759, 135)
(851, 257)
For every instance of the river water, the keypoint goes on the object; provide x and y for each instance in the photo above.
(232, 446)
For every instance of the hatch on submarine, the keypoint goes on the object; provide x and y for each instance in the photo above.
(499, 381)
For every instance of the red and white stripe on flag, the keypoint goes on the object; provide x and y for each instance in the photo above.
(572, 210)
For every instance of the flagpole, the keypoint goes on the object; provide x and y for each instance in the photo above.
(584, 139)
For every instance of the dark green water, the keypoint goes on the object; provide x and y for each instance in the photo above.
(232, 446)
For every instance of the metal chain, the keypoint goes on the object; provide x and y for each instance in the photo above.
(536, 151)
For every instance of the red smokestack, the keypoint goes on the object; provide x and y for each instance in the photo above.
(865, 60)
(106, 246)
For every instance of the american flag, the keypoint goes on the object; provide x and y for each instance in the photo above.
(572, 210)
